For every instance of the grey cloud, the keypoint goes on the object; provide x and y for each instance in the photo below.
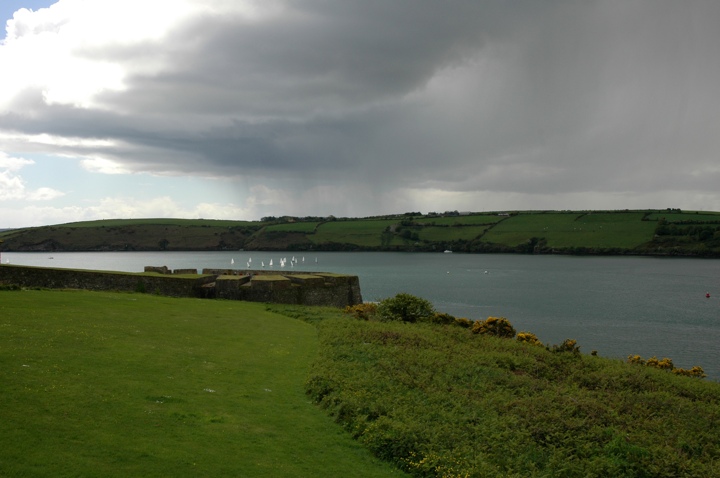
(527, 97)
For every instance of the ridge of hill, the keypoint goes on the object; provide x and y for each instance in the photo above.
(639, 232)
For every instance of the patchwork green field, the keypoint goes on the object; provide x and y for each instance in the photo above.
(367, 233)
(643, 232)
(116, 385)
(561, 230)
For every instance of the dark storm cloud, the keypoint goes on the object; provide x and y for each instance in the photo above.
(538, 97)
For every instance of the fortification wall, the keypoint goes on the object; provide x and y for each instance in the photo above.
(257, 286)
(50, 278)
(306, 289)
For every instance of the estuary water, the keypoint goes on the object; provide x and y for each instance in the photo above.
(615, 305)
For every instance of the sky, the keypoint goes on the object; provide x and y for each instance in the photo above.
(241, 109)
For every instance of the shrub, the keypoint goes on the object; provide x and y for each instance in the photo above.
(365, 311)
(568, 345)
(664, 364)
(464, 322)
(528, 338)
(696, 372)
(667, 364)
(405, 308)
(442, 318)
(635, 359)
(496, 326)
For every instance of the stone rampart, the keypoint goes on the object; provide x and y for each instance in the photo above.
(299, 288)
(50, 278)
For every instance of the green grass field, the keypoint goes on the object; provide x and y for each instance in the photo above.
(306, 227)
(470, 220)
(366, 233)
(676, 217)
(119, 385)
(439, 234)
(607, 230)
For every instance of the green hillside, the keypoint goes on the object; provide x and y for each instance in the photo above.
(655, 232)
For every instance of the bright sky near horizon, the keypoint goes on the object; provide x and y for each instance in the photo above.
(239, 109)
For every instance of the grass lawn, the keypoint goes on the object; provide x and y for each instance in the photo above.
(118, 385)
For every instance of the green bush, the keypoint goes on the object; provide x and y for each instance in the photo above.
(405, 308)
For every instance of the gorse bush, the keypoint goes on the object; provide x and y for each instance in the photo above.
(567, 346)
(666, 364)
(495, 326)
(442, 318)
(364, 311)
(696, 372)
(528, 338)
(405, 308)
(464, 322)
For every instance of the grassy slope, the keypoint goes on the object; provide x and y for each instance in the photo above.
(107, 384)
(440, 401)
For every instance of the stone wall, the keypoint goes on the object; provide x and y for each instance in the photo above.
(257, 286)
(157, 283)
(302, 288)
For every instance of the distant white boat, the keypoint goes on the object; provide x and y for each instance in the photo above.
(270, 262)
(232, 261)
(448, 251)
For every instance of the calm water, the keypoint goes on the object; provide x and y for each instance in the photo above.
(615, 305)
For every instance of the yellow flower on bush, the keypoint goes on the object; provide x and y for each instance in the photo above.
(364, 311)
(528, 338)
(667, 364)
(496, 326)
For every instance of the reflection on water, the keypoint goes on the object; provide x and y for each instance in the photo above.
(615, 305)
